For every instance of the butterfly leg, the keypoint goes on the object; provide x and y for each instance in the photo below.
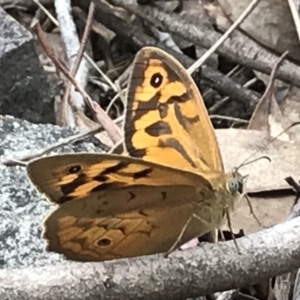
(177, 242)
(252, 212)
(231, 231)
(180, 235)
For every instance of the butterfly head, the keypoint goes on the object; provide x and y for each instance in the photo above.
(235, 183)
(235, 187)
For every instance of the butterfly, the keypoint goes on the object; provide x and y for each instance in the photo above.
(168, 187)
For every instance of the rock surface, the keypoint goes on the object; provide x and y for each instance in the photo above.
(22, 208)
(20, 75)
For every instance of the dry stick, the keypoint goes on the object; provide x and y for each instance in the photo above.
(295, 211)
(91, 24)
(33, 154)
(291, 181)
(273, 74)
(228, 295)
(73, 72)
(253, 213)
(112, 102)
(112, 130)
(221, 40)
(229, 119)
(71, 43)
(220, 103)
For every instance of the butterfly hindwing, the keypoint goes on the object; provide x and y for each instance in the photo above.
(90, 230)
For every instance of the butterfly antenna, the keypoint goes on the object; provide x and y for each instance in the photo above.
(245, 163)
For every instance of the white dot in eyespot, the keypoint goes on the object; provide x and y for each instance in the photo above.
(156, 80)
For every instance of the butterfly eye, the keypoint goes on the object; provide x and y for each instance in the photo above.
(104, 242)
(156, 80)
(74, 169)
(234, 186)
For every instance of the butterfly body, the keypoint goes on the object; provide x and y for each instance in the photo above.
(116, 206)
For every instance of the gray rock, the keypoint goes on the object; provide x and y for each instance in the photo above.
(22, 208)
(24, 90)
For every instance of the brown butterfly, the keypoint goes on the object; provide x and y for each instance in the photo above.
(169, 188)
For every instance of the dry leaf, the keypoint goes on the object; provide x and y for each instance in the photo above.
(267, 115)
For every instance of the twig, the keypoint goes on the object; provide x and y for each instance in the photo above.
(238, 120)
(77, 62)
(295, 211)
(246, 296)
(81, 15)
(291, 181)
(221, 40)
(111, 103)
(273, 74)
(227, 295)
(71, 45)
(220, 103)
(113, 131)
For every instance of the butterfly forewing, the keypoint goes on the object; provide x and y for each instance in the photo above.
(86, 175)
(166, 120)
